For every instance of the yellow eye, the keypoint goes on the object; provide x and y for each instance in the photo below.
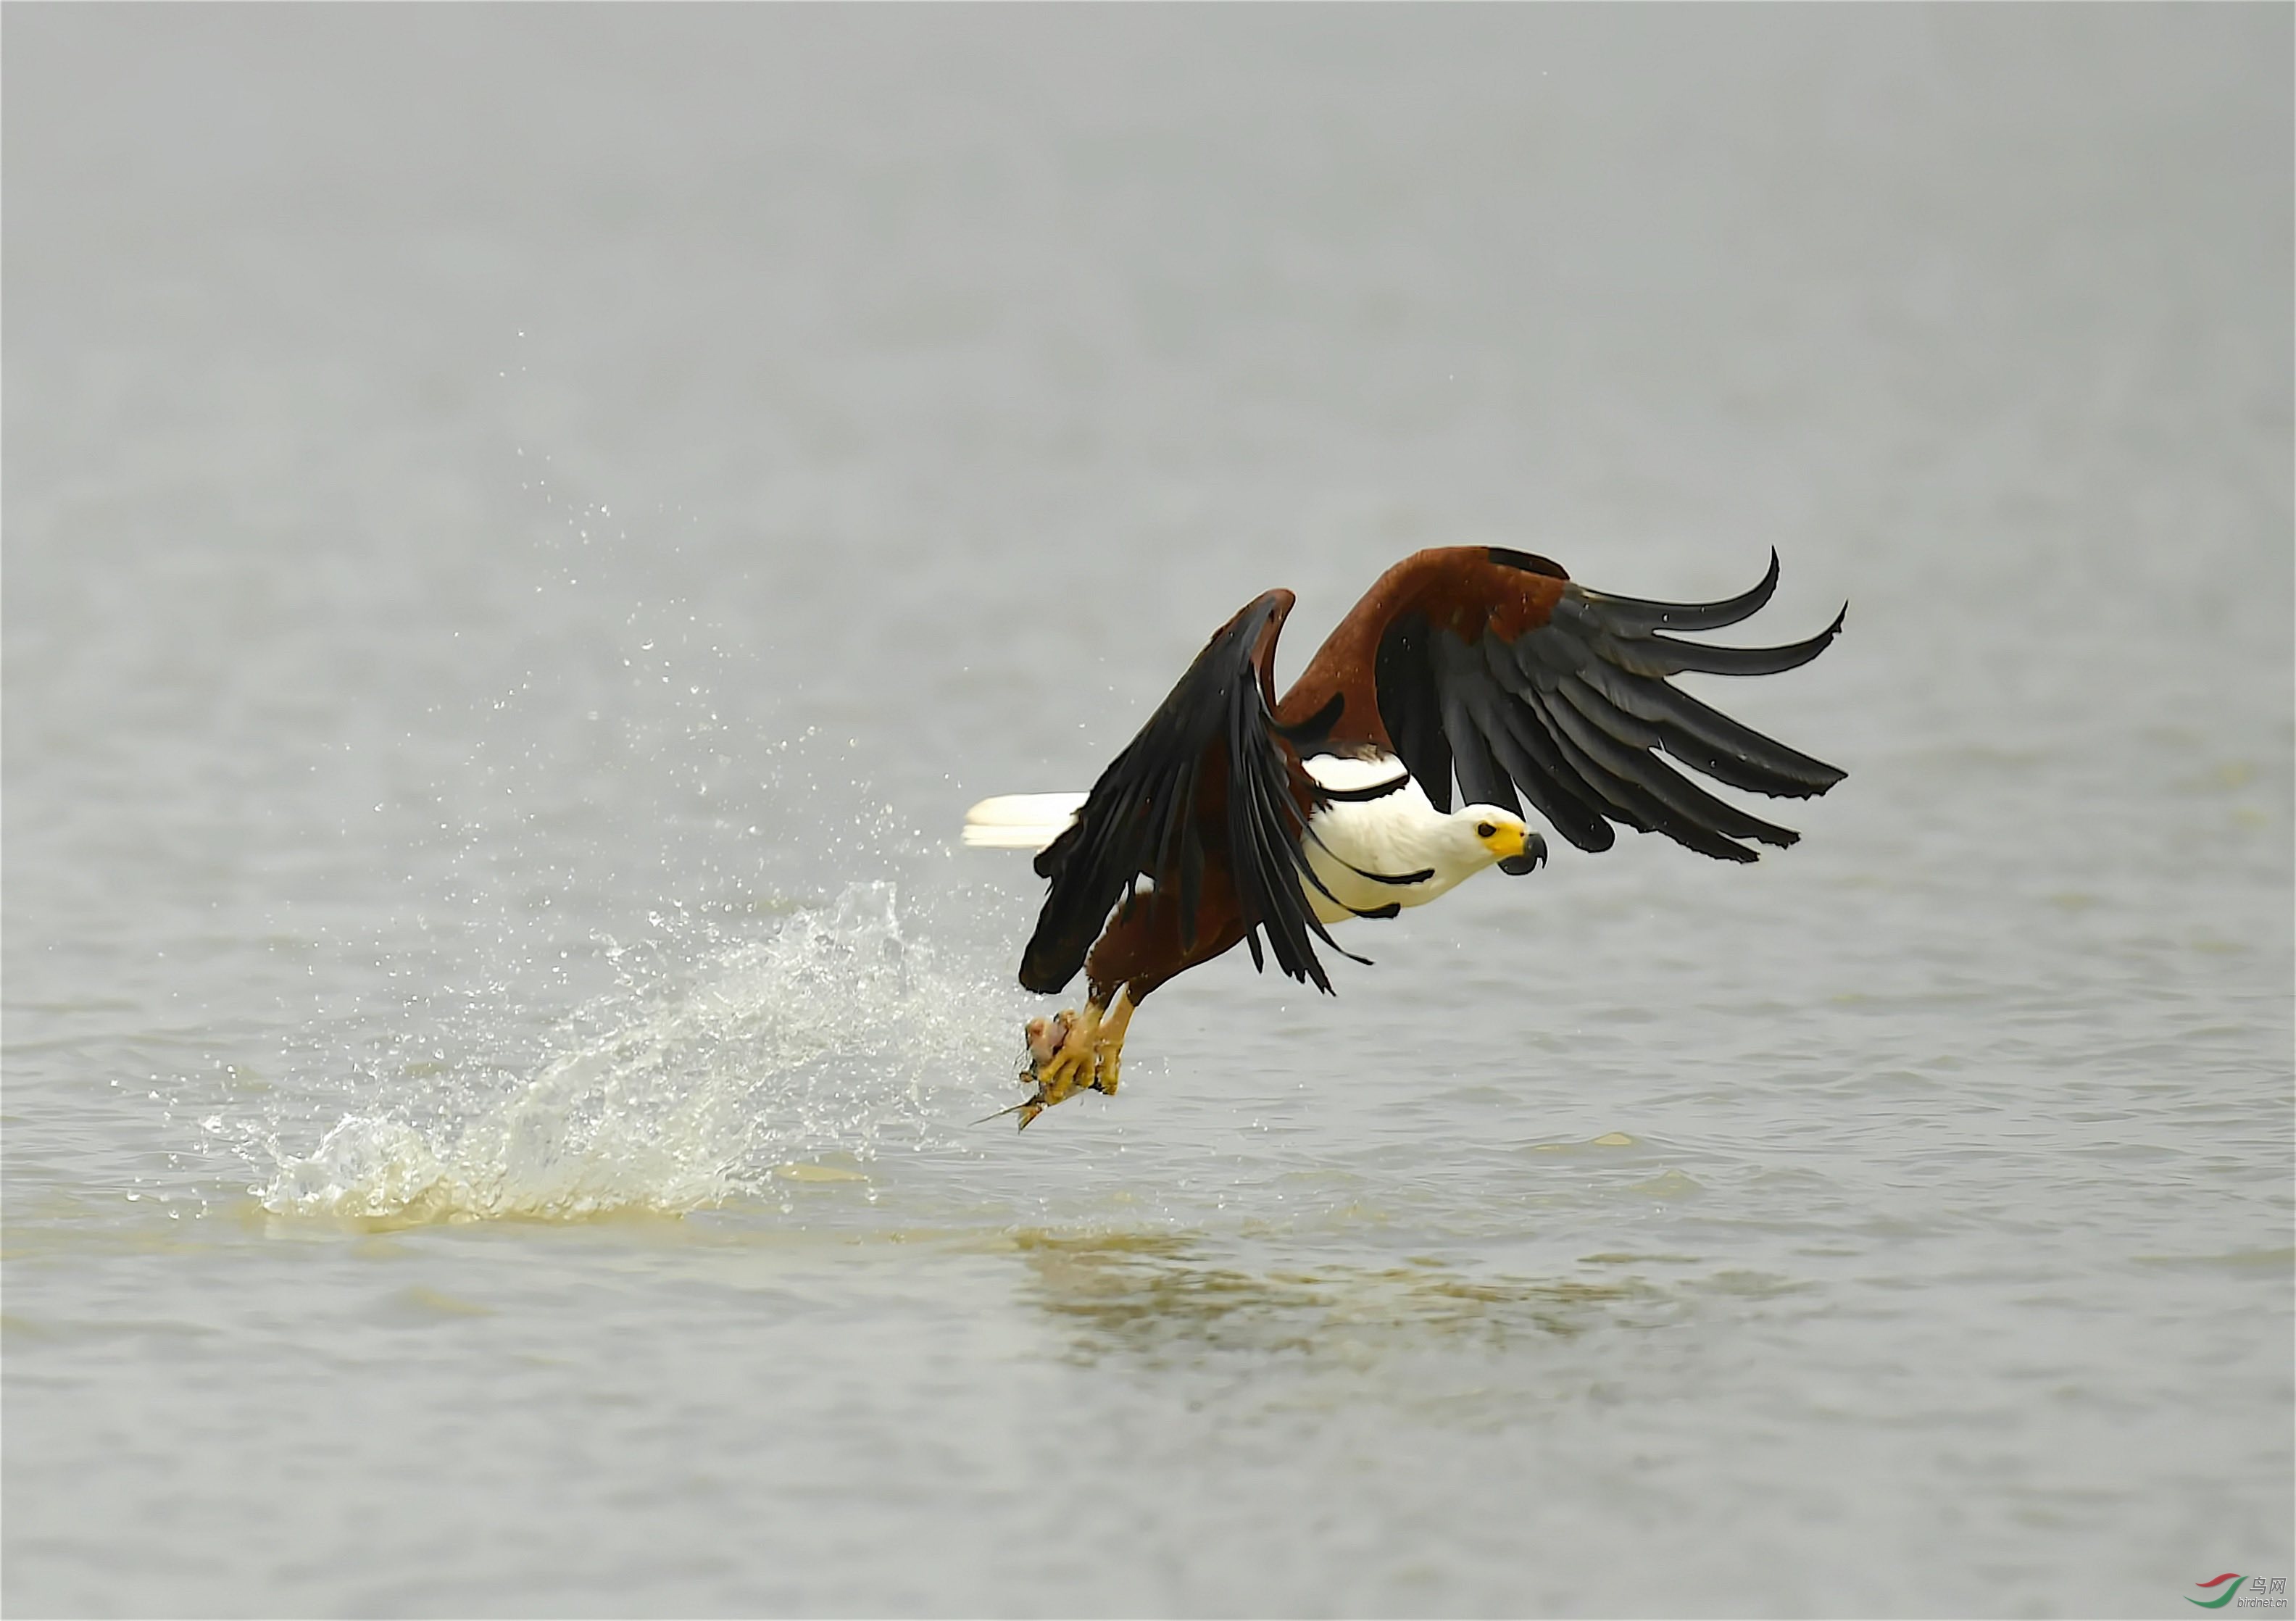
(1484, 830)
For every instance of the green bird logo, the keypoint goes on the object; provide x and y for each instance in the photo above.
(2229, 1581)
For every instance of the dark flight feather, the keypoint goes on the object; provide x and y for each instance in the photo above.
(1575, 710)
(1158, 810)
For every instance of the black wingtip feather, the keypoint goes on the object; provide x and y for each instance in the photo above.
(1674, 657)
(1634, 616)
(1588, 721)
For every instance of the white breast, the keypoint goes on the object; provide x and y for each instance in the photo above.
(1395, 834)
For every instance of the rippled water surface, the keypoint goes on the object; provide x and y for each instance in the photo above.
(525, 529)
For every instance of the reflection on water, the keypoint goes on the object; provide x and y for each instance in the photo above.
(1156, 1296)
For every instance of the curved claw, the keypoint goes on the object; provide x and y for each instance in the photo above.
(1074, 1069)
(1068, 1053)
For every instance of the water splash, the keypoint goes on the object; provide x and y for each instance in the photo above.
(825, 1036)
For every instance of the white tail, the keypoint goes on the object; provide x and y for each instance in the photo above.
(1020, 821)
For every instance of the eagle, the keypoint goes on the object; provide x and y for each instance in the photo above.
(1238, 817)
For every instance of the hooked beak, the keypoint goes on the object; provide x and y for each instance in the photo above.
(1534, 853)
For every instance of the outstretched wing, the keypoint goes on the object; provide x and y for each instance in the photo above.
(1493, 666)
(1211, 778)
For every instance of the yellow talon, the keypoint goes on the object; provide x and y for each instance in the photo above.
(1073, 1053)
(1069, 1073)
(1110, 1045)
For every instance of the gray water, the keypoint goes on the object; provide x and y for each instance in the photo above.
(526, 529)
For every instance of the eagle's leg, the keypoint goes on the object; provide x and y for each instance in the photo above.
(1073, 1052)
(1109, 1042)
